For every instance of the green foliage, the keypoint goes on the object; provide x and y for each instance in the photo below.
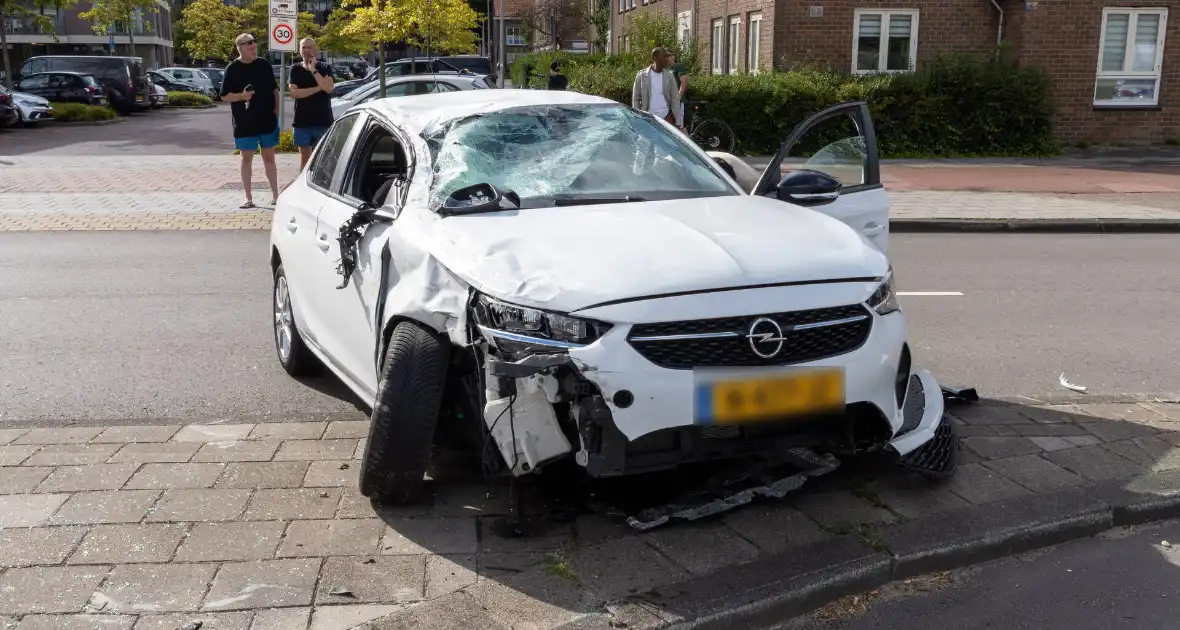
(953, 106)
(188, 99)
(78, 112)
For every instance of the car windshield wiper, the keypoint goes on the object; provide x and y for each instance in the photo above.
(589, 201)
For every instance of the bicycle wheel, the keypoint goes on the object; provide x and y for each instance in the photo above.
(713, 135)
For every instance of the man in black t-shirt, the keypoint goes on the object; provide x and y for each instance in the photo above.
(250, 88)
(311, 86)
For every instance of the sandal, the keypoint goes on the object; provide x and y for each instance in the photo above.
(246, 205)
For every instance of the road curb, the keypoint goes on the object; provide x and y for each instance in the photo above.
(776, 588)
(1077, 226)
(88, 123)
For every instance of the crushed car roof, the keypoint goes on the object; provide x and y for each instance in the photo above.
(426, 110)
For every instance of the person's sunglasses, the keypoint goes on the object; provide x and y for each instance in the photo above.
(247, 42)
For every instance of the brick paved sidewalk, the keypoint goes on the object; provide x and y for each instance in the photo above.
(260, 526)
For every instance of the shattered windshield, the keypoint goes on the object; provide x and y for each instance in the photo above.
(548, 154)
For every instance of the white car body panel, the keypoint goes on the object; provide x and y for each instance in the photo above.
(32, 108)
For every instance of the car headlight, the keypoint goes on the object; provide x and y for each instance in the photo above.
(520, 330)
(884, 299)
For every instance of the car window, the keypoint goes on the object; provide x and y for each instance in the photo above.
(323, 165)
(443, 86)
(36, 82)
(584, 152)
(33, 66)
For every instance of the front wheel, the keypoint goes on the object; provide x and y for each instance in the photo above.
(294, 355)
(713, 135)
(405, 414)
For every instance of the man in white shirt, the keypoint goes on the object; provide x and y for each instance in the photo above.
(655, 90)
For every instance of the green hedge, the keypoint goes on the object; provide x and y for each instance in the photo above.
(188, 99)
(78, 112)
(953, 106)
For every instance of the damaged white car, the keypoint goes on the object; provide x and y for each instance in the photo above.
(561, 276)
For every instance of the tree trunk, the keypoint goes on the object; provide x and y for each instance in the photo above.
(7, 60)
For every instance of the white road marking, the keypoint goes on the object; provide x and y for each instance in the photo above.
(930, 293)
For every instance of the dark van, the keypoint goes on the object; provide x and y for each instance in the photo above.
(124, 79)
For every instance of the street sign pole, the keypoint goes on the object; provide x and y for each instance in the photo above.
(284, 37)
(282, 87)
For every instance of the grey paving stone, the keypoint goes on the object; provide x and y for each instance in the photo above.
(209, 621)
(1001, 447)
(988, 415)
(316, 450)
(128, 544)
(37, 545)
(28, 510)
(164, 476)
(614, 568)
(8, 623)
(342, 429)
(1151, 454)
(281, 619)
(21, 479)
(447, 574)
(13, 455)
(148, 433)
(372, 579)
(354, 505)
(264, 475)
(349, 537)
(1048, 430)
(359, 453)
(263, 584)
(155, 588)
(237, 451)
(703, 548)
(978, 485)
(63, 435)
(161, 452)
(213, 432)
(329, 474)
(454, 611)
(1050, 414)
(1052, 443)
(774, 528)
(430, 535)
(838, 510)
(596, 528)
(912, 496)
(71, 454)
(288, 431)
(75, 622)
(554, 537)
(1111, 430)
(8, 435)
(298, 503)
(976, 430)
(534, 598)
(1036, 473)
(1128, 412)
(110, 506)
(1171, 411)
(48, 589)
(92, 477)
(1095, 463)
(200, 504)
(242, 540)
(1083, 440)
(356, 616)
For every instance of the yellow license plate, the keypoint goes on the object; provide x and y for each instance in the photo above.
(804, 392)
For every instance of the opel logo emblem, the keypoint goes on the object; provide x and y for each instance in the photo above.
(765, 337)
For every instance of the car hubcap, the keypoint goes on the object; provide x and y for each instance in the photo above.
(284, 321)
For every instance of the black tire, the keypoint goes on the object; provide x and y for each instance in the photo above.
(713, 135)
(298, 360)
(405, 414)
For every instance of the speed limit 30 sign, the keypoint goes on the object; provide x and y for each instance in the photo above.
(283, 34)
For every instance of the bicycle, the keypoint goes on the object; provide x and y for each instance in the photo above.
(711, 134)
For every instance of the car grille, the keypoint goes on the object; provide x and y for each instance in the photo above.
(724, 342)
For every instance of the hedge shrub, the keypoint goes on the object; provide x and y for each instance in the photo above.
(78, 112)
(953, 106)
(188, 99)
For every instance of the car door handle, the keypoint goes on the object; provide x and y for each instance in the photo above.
(872, 229)
(292, 225)
(322, 243)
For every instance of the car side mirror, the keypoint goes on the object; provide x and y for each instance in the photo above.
(809, 188)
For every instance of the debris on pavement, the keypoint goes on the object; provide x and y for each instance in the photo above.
(1166, 544)
(1068, 385)
(341, 591)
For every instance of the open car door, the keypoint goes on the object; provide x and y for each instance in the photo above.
(829, 163)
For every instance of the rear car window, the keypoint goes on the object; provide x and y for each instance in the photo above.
(478, 65)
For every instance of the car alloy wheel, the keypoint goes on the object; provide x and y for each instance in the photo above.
(294, 355)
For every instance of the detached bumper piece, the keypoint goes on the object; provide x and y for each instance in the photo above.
(726, 492)
(937, 458)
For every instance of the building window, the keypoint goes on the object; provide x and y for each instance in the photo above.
(753, 41)
(1131, 51)
(684, 26)
(514, 36)
(717, 47)
(626, 43)
(884, 41)
(735, 41)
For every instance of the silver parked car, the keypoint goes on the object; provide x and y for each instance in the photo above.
(409, 86)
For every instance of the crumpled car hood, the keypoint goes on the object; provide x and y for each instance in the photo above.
(570, 258)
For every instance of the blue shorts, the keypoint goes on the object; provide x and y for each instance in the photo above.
(251, 143)
(307, 136)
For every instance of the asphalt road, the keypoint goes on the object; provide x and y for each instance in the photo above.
(112, 326)
(1126, 579)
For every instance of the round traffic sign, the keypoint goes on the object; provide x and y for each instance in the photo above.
(283, 33)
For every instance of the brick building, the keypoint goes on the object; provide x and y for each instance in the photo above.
(1115, 78)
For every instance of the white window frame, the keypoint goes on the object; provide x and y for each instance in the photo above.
(883, 56)
(1128, 55)
(753, 42)
(512, 40)
(683, 26)
(733, 44)
(717, 46)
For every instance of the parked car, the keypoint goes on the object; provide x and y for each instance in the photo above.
(8, 112)
(124, 80)
(472, 63)
(63, 87)
(566, 278)
(216, 75)
(173, 85)
(31, 110)
(160, 98)
(192, 76)
(400, 68)
(409, 86)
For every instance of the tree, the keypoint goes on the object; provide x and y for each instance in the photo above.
(646, 31)
(335, 40)
(20, 9)
(211, 26)
(600, 15)
(557, 20)
(257, 22)
(106, 16)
